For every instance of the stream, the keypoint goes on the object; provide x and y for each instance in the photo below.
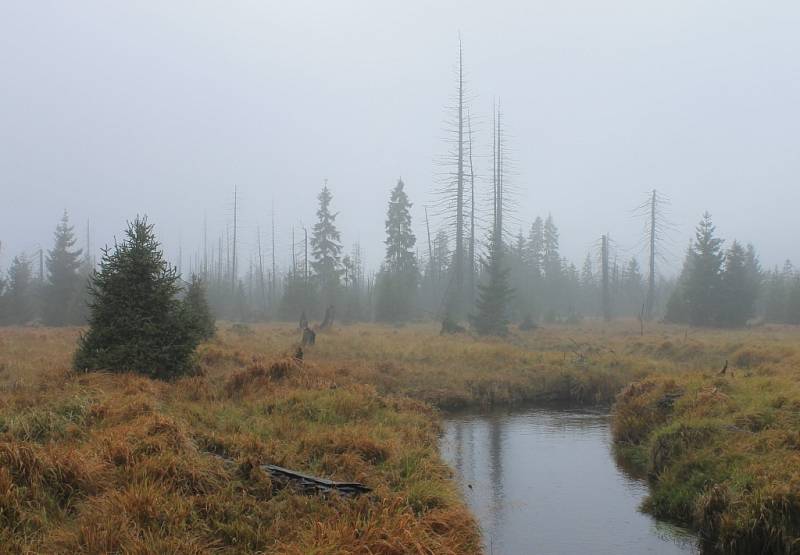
(545, 481)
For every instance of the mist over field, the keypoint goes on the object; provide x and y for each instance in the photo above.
(452, 278)
(112, 110)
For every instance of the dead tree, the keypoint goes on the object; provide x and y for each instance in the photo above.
(653, 210)
(327, 322)
(471, 216)
(606, 293)
(235, 227)
(451, 202)
(309, 337)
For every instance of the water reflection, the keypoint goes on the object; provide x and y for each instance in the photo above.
(545, 481)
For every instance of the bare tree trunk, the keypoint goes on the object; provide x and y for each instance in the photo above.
(605, 278)
(261, 274)
(305, 261)
(233, 262)
(219, 261)
(274, 271)
(651, 278)
(205, 246)
(458, 262)
(430, 246)
(471, 217)
(294, 257)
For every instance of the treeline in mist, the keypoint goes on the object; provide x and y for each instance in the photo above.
(482, 264)
(524, 281)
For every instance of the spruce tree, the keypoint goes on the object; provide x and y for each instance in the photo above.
(738, 292)
(776, 296)
(491, 317)
(397, 281)
(536, 248)
(494, 295)
(703, 288)
(18, 297)
(62, 294)
(793, 301)
(520, 279)
(634, 295)
(136, 322)
(197, 311)
(326, 249)
(677, 309)
(697, 300)
(551, 259)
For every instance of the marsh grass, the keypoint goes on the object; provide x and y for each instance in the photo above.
(721, 451)
(96, 463)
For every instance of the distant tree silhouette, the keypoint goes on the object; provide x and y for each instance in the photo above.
(18, 302)
(326, 250)
(63, 291)
(196, 310)
(397, 281)
(739, 287)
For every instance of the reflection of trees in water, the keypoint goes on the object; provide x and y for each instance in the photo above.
(459, 447)
(496, 426)
(477, 448)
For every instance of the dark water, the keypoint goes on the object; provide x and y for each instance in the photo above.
(545, 482)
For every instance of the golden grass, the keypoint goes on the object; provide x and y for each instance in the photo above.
(100, 463)
(723, 451)
(96, 463)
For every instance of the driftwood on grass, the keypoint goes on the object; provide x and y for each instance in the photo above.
(313, 484)
(305, 482)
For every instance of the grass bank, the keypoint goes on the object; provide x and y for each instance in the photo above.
(722, 451)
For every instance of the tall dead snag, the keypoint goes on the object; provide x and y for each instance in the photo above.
(651, 277)
(653, 211)
(471, 216)
(459, 255)
(491, 317)
(452, 201)
(234, 275)
(606, 293)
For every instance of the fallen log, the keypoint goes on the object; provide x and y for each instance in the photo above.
(313, 484)
(305, 482)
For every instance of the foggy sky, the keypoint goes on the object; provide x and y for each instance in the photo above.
(109, 109)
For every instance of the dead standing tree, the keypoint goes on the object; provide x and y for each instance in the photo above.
(653, 211)
(471, 217)
(451, 201)
(606, 293)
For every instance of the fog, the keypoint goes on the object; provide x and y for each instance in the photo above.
(112, 109)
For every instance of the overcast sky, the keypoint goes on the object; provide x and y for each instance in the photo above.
(109, 109)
